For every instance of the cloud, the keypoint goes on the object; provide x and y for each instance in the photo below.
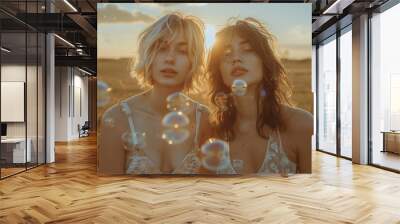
(112, 14)
(299, 34)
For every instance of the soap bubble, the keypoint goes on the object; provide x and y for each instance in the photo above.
(239, 87)
(179, 102)
(175, 135)
(132, 141)
(221, 100)
(215, 154)
(175, 120)
(109, 122)
(103, 97)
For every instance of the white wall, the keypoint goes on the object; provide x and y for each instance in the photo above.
(61, 103)
(70, 84)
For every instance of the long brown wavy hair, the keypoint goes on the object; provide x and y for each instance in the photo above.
(274, 82)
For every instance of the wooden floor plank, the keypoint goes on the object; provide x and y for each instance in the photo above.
(70, 191)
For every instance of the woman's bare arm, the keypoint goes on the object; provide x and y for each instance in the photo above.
(304, 130)
(111, 154)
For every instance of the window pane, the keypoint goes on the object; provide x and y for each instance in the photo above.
(346, 94)
(327, 96)
(385, 88)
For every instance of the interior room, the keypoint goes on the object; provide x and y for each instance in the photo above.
(51, 98)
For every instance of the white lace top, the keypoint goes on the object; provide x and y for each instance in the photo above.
(275, 160)
(137, 162)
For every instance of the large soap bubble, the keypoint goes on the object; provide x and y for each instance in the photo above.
(239, 87)
(179, 102)
(175, 135)
(175, 120)
(215, 154)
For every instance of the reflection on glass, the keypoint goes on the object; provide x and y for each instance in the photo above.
(385, 86)
(346, 94)
(327, 97)
(23, 85)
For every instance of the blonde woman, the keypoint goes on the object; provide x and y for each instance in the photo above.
(266, 134)
(170, 60)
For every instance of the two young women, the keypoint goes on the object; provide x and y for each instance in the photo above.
(264, 132)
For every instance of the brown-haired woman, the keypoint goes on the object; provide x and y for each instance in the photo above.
(266, 134)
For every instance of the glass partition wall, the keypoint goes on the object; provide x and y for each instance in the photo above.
(334, 94)
(22, 88)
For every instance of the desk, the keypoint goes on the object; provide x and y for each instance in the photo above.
(13, 150)
(391, 141)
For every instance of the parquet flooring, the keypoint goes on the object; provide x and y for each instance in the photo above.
(10, 171)
(70, 191)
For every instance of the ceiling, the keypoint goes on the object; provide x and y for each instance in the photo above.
(76, 22)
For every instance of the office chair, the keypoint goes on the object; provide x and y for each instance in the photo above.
(84, 130)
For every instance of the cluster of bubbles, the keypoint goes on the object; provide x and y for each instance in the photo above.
(176, 122)
(103, 90)
(215, 152)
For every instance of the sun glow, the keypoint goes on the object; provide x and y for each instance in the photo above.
(209, 35)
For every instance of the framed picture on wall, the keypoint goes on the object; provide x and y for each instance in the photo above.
(201, 88)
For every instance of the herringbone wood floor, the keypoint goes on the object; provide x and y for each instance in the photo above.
(70, 191)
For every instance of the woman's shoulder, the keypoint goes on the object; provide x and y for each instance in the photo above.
(298, 120)
(135, 100)
(119, 108)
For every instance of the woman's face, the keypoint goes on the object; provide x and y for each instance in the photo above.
(240, 61)
(171, 64)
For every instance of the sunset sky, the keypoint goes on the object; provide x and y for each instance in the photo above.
(119, 24)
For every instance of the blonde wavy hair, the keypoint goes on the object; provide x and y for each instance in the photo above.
(169, 27)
